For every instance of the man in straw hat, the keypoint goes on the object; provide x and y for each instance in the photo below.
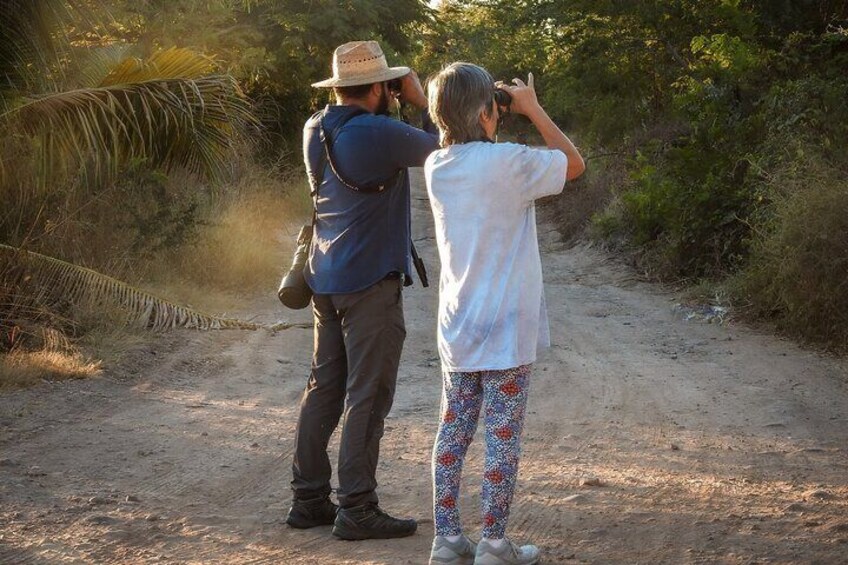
(357, 159)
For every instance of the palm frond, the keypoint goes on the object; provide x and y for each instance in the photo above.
(81, 287)
(90, 65)
(171, 116)
(173, 63)
(33, 40)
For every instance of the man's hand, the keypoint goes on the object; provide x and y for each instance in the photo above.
(411, 90)
(524, 99)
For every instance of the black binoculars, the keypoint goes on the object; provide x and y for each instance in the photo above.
(503, 98)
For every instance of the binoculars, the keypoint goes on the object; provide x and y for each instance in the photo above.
(503, 98)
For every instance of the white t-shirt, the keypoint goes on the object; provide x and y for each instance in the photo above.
(492, 313)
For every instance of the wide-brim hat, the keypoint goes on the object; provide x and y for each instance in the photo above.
(360, 62)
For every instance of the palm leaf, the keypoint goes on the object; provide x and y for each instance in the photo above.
(164, 110)
(173, 63)
(90, 65)
(64, 282)
(33, 40)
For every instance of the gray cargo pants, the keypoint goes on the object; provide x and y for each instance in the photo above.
(358, 342)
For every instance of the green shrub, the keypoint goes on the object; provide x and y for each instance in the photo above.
(687, 210)
(798, 269)
(798, 272)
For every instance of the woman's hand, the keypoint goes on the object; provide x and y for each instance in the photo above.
(524, 99)
(524, 102)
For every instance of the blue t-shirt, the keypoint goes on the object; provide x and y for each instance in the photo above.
(361, 237)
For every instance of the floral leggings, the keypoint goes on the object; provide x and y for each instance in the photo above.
(505, 394)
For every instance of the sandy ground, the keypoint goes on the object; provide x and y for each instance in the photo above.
(650, 439)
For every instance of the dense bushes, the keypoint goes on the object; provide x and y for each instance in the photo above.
(797, 274)
(730, 118)
(798, 270)
(756, 191)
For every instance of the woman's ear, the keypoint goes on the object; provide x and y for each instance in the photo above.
(488, 120)
(485, 117)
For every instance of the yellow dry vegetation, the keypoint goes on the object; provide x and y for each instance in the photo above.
(242, 249)
(20, 369)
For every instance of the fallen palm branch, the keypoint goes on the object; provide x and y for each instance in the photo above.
(60, 282)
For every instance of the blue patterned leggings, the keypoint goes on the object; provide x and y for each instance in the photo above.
(505, 395)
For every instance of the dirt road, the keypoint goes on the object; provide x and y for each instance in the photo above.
(650, 439)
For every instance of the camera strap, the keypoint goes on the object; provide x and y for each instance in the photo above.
(327, 155)
(327, 141)
(317, 172)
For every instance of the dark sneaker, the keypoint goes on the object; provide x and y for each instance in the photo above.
(311, 513)
(368, 521)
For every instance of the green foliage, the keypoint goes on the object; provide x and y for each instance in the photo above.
(797, 272)
(605, 68)
(690, 210)
(275, 48)
(716, 107)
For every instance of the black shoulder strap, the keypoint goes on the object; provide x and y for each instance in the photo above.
(315, 176)
(315, 182)
(318, 169)
(327, 141)
(317, 172)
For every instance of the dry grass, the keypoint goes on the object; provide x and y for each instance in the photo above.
(21, 369)
(239, 244)
(244, 246)
(797, 273)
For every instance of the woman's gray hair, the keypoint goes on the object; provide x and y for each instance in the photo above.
(457, 96)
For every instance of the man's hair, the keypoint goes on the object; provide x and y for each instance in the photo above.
(356, 91)
(457, 95)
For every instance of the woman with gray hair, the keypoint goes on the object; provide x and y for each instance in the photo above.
(492, 317)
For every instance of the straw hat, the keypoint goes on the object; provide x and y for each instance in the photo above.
(360, 62)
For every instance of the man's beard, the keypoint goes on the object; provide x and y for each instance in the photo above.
(383, 105)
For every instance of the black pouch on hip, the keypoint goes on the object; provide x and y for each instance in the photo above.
(294, 293)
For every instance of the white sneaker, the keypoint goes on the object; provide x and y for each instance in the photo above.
(506, 554)
(460, 552)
